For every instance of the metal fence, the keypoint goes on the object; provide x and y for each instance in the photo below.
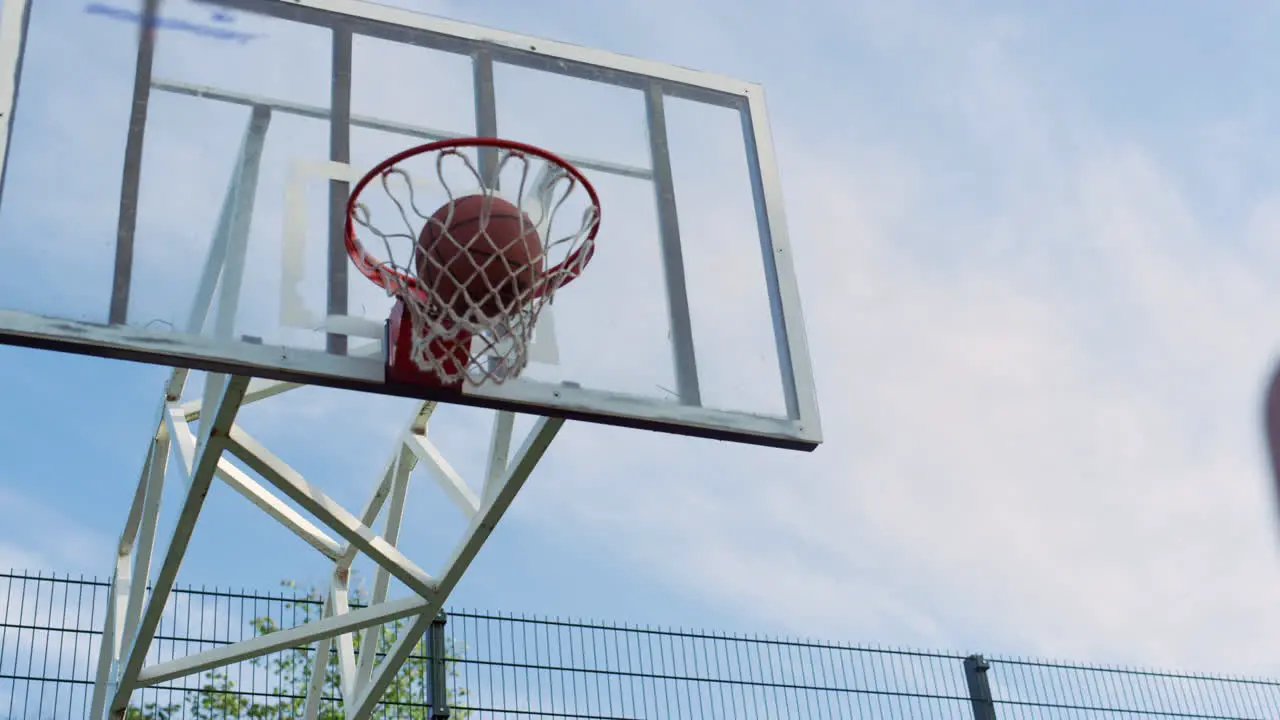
(505, 666)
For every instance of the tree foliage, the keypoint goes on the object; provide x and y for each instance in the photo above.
(288, 675)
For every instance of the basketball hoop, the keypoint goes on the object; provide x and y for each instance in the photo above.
(470, 273)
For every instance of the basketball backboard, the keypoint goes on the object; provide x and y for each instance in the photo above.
(178, 197)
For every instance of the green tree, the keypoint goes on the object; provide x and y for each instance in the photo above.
(289, 676)
(152, 711)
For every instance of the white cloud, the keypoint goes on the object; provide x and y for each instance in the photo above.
(35, 535)
(1041, 405)
(16, 557)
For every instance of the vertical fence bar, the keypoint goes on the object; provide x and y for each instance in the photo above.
(975, 674)
(31, 653)
(439, 671)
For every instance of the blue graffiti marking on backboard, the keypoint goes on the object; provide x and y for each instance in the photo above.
(169, 23)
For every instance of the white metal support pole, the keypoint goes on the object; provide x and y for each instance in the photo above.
(477, 532)
(129, 584)
(131, 623)
(223, 268)
(499, 453)
(145, 545)
(213, 437)
(319, 666)
(108, 650)
(104, 681)
(339, 597)
(306, 634)
(382, 579)
(390, 489)
(319, 504)
(230, 235)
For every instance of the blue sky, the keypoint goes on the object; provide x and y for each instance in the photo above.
(1037, 253)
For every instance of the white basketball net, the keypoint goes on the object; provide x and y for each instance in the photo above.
(473, 313)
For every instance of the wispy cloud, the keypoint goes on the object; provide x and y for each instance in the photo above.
(1039, 361)
(36, 535)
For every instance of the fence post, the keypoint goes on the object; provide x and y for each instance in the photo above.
(975, 672)
(438, 676)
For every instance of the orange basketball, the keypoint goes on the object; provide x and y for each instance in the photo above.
(487, 261)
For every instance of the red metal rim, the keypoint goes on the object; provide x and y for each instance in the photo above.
(392, 280)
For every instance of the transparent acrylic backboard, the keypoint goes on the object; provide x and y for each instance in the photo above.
(177, 196)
